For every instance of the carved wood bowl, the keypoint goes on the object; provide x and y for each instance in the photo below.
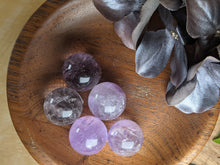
(61, 28)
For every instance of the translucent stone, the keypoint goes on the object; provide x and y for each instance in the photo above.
(63, 106)
(107, 101)
(88, 135)
(125, 138)
(81, 72)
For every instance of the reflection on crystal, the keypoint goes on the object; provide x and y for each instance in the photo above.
(109, 109)
(84, 80)
(77, 130)
(51, 100)
(91, 143)
(127, 144)
(66, 114)
(69, 67)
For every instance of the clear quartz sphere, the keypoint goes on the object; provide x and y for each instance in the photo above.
(125, 137)
(88, 135)
(81, 72)
(107, 101)
(63, 106)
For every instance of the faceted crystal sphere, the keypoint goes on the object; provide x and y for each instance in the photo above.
(81, 72)
(125, 138)
(107, 101)
(88, 135)
(63, 106)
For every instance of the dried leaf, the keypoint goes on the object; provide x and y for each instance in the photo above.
(178, 65)
(153, 53)
(206, 93)
(205, 46)
(172, 4)
(146, 12)
(175, 95)
(125, 27)
(203, 18)
(214, 70)
(180, 16)
(115, 10)
(166, 18)
(192, 71)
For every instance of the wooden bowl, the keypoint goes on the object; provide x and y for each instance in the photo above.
(61, 28)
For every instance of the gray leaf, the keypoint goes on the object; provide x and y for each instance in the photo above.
(172, 4)
(146, 12)
(125, 27)
(203, 17)
(178, 65)
(192, 71)
(206, 93)
(204, 97)
(166, 17)
(175, 95)
(153, 53)
(214, 70)
(115, 10)
(180, 17)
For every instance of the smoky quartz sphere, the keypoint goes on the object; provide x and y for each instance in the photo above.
(125, 137)
(81, 72)
(88, 135)
(63, 106)
(107, 101)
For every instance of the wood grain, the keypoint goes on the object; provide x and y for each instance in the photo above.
(13, 16)
(61, 28)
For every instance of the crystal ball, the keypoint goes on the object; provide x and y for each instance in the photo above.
(63, 106)
(81, 72)
(125, 137)
(107, 101)
(88, 135)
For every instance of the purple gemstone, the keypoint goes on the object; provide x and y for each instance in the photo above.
(63, 106)
(125, 138)
(88, 135)
(81, 72)
(107, 101)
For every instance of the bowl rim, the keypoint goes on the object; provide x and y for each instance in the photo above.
(23, 41)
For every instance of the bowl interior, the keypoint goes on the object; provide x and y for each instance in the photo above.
(59, 30)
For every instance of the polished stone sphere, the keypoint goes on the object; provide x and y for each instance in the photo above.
(81, 72)
(107, 101)
(63, 106)
(88, 135)
(125, 137)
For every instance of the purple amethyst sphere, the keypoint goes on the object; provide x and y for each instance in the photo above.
(125, 137)
(88, 135)
(63, 106)
(107, 101)
(81, 72)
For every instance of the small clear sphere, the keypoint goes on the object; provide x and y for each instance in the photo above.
(81, 72)
(88, 135)
(125, 137)
(107, 101)
(63, 106)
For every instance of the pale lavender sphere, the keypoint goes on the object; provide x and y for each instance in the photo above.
(125, 138)
(107, 101)
(88, 135)
(63, 106)
(81, 71)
